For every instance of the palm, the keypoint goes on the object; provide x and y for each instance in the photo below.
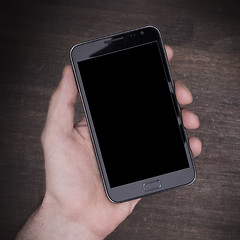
(75, 182)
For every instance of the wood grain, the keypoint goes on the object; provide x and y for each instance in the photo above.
(35, 41)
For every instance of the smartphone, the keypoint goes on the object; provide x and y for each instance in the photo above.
(133, 116)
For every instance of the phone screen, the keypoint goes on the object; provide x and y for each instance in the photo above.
(133, 114)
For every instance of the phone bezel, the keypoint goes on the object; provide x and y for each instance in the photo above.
(128, 39)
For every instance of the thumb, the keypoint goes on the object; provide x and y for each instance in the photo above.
(60, 115)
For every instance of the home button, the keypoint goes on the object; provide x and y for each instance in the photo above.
(149, 186)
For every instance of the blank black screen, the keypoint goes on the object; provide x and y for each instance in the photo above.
(133, 114)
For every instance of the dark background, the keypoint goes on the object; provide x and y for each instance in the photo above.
(35, 41)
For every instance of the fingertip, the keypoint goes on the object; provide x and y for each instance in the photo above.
(67, 85)
(183, 94)
(67, 70)
(190, 119)
(169, 52)
(196, 146)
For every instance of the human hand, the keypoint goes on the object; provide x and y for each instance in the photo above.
(75, 205)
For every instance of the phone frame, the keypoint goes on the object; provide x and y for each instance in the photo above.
(138, 189)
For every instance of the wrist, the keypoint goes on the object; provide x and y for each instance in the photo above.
(48, 222)
(61, 226)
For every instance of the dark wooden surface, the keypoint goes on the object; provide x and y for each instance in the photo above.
(35, 41)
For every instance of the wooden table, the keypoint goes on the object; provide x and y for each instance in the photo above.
(205, 35)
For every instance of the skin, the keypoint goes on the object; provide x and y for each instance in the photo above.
(75, 205)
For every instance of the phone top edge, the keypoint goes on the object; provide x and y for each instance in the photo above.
(114, 34)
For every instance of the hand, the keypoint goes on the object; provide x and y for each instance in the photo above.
(75, 205)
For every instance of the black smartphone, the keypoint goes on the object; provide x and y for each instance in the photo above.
(133, 116)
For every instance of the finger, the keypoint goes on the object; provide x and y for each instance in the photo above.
(195, 145)
(190, 119)
(183, 95)
(169, 52)
(61, 109)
